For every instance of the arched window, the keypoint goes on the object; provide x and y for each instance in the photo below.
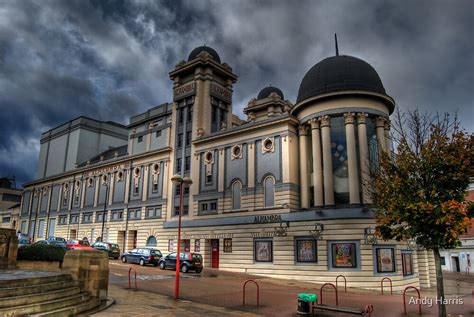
(151, 241)
(236, 194)
(269, 191)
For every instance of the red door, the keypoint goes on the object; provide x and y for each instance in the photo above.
(215, 253)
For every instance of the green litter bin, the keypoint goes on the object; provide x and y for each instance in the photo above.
(303, 303)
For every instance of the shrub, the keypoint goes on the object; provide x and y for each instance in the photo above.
(41, 252)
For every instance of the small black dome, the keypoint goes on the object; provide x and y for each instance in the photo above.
(265, 92)
(339, 73)
(195, 52)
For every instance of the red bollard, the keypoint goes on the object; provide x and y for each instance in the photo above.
(129, 271)
(258, 292)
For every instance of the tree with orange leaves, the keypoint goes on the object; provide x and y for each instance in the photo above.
(419, 190)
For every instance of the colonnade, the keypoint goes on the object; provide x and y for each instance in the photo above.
(322, 158)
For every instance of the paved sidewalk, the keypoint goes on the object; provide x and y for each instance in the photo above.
(141, 303)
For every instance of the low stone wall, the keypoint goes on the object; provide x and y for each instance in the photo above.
(54, 266)
(8, 248)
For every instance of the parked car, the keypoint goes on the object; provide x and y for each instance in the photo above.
(142, 256)
(52, 242)
(188, 261)
(23, 240)
(79, 245)
(61, 239)
(112, 249)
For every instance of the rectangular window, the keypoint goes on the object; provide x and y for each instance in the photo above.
(263, 250)
(117, 215)
(154, 212)
(170, 245)
(62, 220)
(180, 140)
(306, 250)
(214, 114)
(228, 245)
(140, 139)
(100, 215)
(385, 258)
(178, 165)
(407, 263)
(344, 255)
(442, 260)
(40, 228)
(197, 245)
(213, 206)
(207, 207)
(188, 138)
(187, 245)
(134, 214)
(87, 218)
(154, 188)
(23, 227)
(190, 113)
(186, 190)
(6, 220)
(181, 115)
(158, 134)
(187, 165)
(208, 179)
(185, 210)
(204, 207)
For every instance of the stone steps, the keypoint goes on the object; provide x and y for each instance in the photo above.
(35, 289)
(74, 310)
(41, 297)
(72, 301)
(34, 280)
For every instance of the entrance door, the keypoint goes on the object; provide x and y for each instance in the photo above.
(215, 253)
(456, 267)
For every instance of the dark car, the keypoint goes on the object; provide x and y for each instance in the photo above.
(112, 249)
(142, 256)
(23, 240)
(60, 239)
(53, 242)
(188, 262)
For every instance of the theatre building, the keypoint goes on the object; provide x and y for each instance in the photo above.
(282, 194)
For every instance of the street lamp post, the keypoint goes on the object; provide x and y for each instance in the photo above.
(103, 212)
(186, 181)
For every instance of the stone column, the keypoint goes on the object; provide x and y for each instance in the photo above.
(327, 161)
(303, 168)
(380, 126)
(354, 194)
(317, 163)
(111, 188)
(364, 156)
(387, 136)
(146, 173)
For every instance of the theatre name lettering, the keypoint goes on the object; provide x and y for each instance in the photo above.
(221, 92)
(108, 169)
(184, 91)
(267, 219)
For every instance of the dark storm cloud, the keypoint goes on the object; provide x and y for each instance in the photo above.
(109, 59)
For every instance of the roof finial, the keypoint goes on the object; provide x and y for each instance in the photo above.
(337, 48)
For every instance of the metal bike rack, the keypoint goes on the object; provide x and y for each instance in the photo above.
(381, 284)
(129, 272)
(404, 299)
(321, 292)
(258, 292)
(345, 282)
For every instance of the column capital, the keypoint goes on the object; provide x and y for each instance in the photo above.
(302, 130)
(387, 125)
(380, 122)
(362, 118)
(325, 121)
(349, 118)
(315, 123)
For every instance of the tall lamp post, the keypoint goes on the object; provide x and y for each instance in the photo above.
(105, 208)
(181, 181)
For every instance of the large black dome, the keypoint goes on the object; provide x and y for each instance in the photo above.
(265, 92)
(195, 52)
(339, 73)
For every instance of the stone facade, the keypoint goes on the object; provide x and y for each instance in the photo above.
(281, 194)
(8, 248)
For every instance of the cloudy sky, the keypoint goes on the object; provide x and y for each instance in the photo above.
(110, 59)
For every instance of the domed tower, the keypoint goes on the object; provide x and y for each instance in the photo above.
(269, 103)
(343, 102)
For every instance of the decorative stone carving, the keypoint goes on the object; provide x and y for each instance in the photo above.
(200, 132)
(315, 123)
(302, 130)
(349, 118)
(8, 248)
(380, 122)
(325, 121)
(268, 145)
(362, 118)
(236, 152)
